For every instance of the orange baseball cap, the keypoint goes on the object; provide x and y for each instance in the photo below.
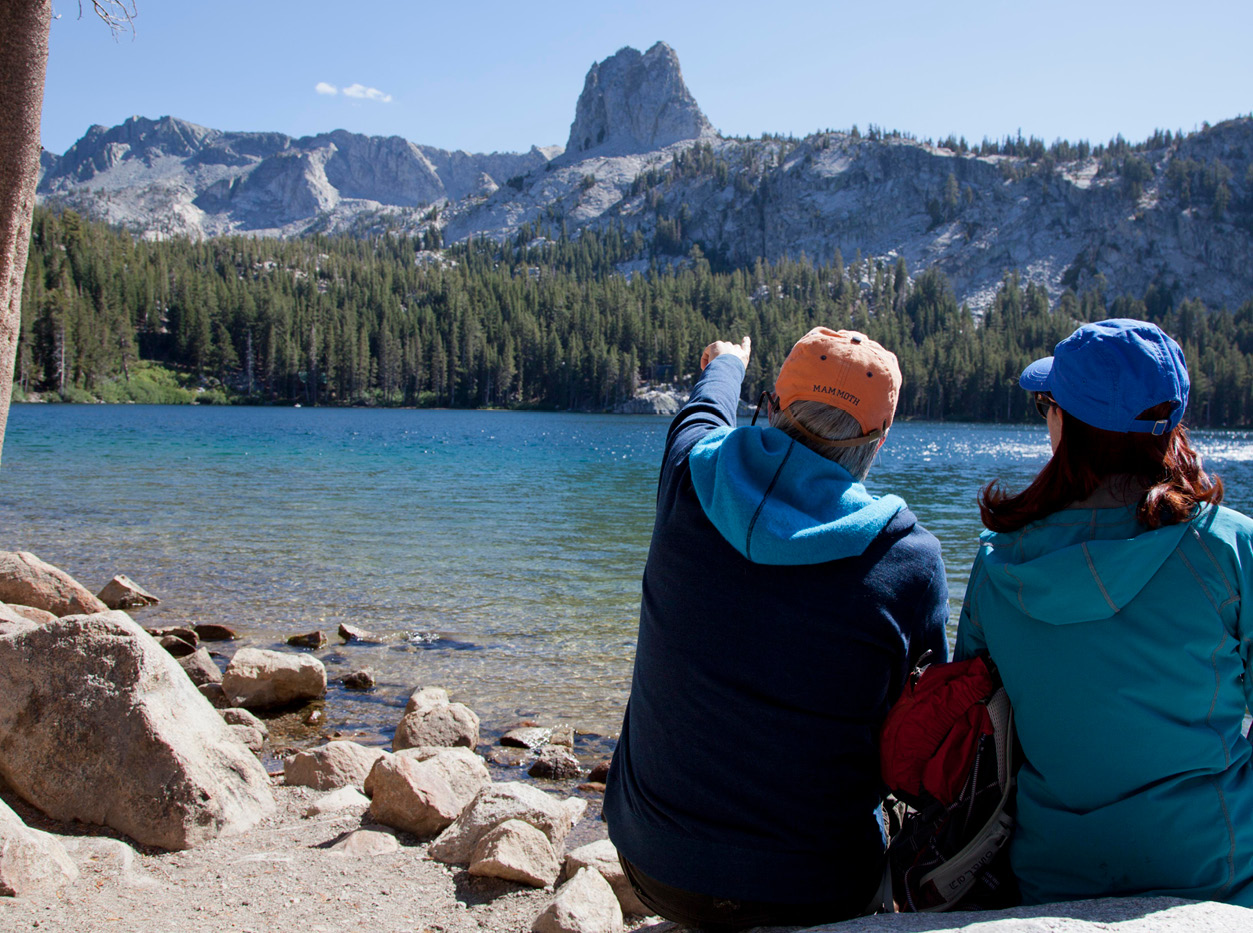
(845, 369)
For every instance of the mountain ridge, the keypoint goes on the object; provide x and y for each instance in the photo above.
(641, 155)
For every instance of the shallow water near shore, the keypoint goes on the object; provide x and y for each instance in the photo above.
(496, 554)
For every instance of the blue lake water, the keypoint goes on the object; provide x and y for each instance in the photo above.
(497, 554)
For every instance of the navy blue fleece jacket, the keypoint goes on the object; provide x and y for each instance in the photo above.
(783, 607)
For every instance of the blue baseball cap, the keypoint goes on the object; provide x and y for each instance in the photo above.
(1106, 374)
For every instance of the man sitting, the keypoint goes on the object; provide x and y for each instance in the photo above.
(783, 608)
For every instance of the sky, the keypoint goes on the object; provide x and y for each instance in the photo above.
(493, 76)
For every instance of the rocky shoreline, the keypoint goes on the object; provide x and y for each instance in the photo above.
(134, 796)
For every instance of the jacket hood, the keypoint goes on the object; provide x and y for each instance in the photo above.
(1077, 565)
(777, 502)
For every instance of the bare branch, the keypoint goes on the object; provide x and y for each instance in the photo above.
(118, 15)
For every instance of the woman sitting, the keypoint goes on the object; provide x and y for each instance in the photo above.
(1115, 596)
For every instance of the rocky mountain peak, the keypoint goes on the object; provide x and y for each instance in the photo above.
(635, 103)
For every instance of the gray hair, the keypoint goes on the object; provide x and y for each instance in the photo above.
(830, 422)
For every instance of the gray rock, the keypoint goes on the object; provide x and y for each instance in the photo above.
(213, 693)
(508, 800)
(1105, 915)
(99, 724)
(366, 843)
(308, 640)
(345, 798)
(555, 763)
(213, 632)
(635, 103)
(336, 764)
(201, 667)
(464, 770)
(253, 739)
(526, 737)
(454, 724)
(425, 699)
(603, 857)
(258, 678)
(237, 716)
(28, 581)
(516, 851)
(176, 646)
(124, 593)
(352, 633)
(38, 616)
(359, 680)
(31, 862)
(584, 904)
(411, 795)
(562, 735)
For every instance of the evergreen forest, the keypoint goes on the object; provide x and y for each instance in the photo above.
(541, 321)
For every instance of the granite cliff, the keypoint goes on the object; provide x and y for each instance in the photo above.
(1176, 214)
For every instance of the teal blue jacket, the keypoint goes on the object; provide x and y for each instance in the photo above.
(1126, 655)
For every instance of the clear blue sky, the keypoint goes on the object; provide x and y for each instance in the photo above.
(488, 75)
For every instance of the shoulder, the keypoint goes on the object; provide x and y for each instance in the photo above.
(910, 540)
(1222, 523)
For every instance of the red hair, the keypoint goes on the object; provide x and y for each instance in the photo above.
(1165, 470)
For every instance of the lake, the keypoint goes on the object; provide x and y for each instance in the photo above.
(496, 554)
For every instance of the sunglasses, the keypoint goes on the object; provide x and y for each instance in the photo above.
(1043, 402)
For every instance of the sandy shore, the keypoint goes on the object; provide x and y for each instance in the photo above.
(280, 876)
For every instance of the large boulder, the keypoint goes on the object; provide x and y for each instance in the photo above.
(584, 904)
(516, 851)
(31, 862)
(124, 593)
(99, 724)
(336, 764)
(507, 800)
(603, 856)
(28, 581)
(257, 678)
(426, 698)
(411, 795)
(451, 724)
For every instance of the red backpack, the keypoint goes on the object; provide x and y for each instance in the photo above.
(946, 751)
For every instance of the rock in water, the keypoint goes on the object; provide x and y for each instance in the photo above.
(308, 640)
(27, 580)
(454, 724)
(31, 862)
(214, 632)
(584, 904)
(359, 680)
(99, 724)
(556, 764)
(516, 851)
(636, 103)
(124, 593)
(258, 678)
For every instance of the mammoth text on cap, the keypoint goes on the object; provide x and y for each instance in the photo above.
(839, 393)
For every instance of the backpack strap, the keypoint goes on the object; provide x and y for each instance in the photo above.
(951, 878)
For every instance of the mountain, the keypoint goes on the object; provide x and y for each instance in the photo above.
(1175, 213)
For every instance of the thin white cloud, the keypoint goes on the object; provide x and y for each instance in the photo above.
(323, 88)
(362, 92)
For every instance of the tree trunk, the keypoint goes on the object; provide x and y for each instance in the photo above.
(23, 60)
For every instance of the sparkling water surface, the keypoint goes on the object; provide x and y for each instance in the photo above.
(496, 554)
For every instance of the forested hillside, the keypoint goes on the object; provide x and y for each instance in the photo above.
(542, 321)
